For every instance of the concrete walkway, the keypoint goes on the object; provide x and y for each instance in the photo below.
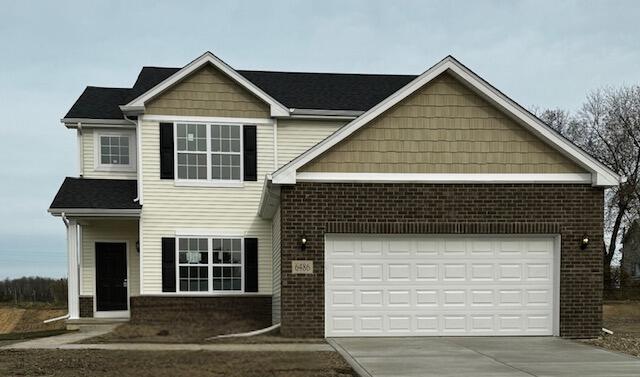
(482, 357)
(65, 342)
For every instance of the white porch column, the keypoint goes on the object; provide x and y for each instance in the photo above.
(73, 292)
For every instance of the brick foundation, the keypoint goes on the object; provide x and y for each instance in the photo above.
(253, 311)
(314, 209)
(86, 306)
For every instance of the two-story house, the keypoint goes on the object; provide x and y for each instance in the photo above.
(334, 204)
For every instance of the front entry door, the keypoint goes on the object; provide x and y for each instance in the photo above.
(111, 276)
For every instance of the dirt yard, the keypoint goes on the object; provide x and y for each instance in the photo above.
(29, 319)
(181, 332)
(623, 318)
(67, 363)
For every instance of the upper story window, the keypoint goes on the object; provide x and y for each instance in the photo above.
(209, 152)
(115, 150)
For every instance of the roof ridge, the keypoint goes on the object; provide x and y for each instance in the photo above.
(330, 73)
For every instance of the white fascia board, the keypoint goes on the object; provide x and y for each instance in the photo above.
(136, 105)
(443, 178)
(94, 212)
(269, 199)
(88, 123)
(602, 176)
(201, 119)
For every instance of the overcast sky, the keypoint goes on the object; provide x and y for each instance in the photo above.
(544, 54)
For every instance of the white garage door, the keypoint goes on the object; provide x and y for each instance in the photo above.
(381, 285)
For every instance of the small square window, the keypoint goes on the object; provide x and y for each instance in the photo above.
(114, 151)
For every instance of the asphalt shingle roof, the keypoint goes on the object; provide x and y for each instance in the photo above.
(96, 194)
(322, 91)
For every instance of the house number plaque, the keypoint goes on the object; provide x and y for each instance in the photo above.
(302, 267)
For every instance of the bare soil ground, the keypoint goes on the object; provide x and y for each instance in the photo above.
(28, 319)
(623, 318)
(183, 332)
(69, 363)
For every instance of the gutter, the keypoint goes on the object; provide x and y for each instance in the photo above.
(88, 212)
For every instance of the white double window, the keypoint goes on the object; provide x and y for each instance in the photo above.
(210, 264)
(115, 150)
(207, 152)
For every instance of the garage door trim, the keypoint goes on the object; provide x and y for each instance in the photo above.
(555, 273)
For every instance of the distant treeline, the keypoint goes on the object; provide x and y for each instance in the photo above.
(33, 289)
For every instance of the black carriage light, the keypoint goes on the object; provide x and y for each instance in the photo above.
(303, 242)
(584, 242)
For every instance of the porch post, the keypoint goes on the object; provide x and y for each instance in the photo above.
(73, 291)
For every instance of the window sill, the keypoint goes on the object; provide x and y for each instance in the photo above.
(115, 169)
(209, 294)
(208, 184)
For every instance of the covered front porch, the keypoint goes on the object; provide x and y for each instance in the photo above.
(101, 217)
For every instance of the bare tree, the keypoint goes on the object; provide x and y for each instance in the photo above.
(608, 127)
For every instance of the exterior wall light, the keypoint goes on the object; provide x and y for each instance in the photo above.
(303, 243)
(585, 242)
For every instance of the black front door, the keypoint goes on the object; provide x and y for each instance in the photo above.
(111, 276)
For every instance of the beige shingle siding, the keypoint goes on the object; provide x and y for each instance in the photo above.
(276, 302)
(443, 128)
(296, 136)
(108, 230)
(88, 144)
(208, 92)
(167, 208)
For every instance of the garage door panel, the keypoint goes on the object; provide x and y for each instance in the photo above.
(410, 285)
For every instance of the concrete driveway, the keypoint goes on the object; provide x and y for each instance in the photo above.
(480, 356)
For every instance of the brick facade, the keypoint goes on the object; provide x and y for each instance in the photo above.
(86, 306)
(314, 209)
(252, 312)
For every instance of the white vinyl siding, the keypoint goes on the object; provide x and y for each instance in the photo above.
(88, 155)
(276, 301)
(109, 231)
(297, 135)
(168, 208)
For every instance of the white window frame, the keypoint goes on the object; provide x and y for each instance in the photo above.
(209, 181)
(97, 148)
(210, 265)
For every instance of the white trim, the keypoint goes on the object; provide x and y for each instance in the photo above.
(602, 176)
(557, 260)
(443, 178)
(202, 232)
(88, 212)
(97, 151)
(141, 254)
(80, 149)
(275, 144)
(198, 119)
(137, 105)
(110, 313)
(90, 122)
(327, 113)
(139, 160)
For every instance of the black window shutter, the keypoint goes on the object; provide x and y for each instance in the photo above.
(168, 264)
(166, 150)
(251, 265)
(250, 153)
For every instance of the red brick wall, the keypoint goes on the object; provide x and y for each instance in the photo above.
(314, 209)
(246, 312)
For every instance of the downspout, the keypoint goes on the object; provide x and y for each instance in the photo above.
(80, 150)
(140, 198)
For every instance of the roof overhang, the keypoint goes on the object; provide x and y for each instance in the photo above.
(137, 106)
(95, 212)
(600, 174)
(88, 122)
